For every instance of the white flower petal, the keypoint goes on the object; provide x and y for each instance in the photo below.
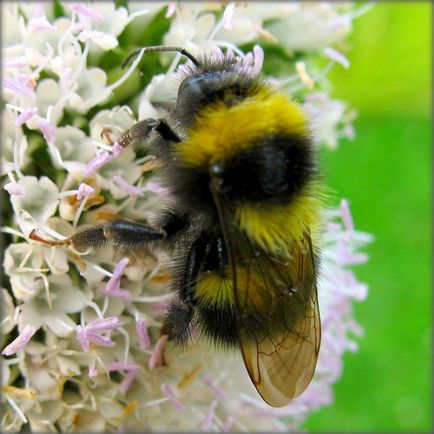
(16, 255)
(5, 374)
(106, 42)
(115, 19)
(310, 28)
(48, 93)
(46, 385)
(31, 313)
(26, 286)
(11, 137)
(68, 301)
(52, 411)
(40, 201)
(91, 83)
(74, 147)
(60, 324)
(116, 120)
(8, 322)
(88, 421)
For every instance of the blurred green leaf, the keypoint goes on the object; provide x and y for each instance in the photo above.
(390, 54)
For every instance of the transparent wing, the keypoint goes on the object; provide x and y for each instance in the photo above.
(279, 321)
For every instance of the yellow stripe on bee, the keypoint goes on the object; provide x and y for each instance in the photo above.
(221, 131)
(274, 227)
(215, 290)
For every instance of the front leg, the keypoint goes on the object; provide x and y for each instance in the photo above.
(140, 133)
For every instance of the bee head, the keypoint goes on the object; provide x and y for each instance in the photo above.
(203, 88)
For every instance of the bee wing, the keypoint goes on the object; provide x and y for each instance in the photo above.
(279, 322)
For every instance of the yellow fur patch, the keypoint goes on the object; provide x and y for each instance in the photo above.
(214, 289)
(274, 227)
(220, 131)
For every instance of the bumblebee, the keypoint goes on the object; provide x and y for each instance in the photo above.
(241, 226)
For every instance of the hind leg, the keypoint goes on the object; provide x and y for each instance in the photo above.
(122, 233)
(205, 254)
(179, 316)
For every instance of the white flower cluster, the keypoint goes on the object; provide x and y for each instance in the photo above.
(80, 339)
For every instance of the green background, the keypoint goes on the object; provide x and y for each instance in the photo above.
(386, 175)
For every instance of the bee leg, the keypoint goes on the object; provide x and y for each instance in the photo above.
(173, 223)
(216, 258)
(121, 233)
(180, 313)
(177, 322)
(140, 132)
(192, 265)
(131, 235)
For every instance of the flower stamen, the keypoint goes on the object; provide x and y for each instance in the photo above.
(168, 391)
(19, 342)
(207, 423)
(157, 355)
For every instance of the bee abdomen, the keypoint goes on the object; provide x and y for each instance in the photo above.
(218, 323)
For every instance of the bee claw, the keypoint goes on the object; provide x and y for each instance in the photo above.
(33, 236)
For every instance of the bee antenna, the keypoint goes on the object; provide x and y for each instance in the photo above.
(159, 48)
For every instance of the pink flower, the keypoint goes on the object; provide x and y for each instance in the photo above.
(157, 358)
(48, 130)
(84, 190)
(258, 60)
(207, 423)
(227, 425)
(93, 372)
(20, 342)
(113, 286)
(336, 56)
(25, 116)
(117, 149)
(228, 15)
(132, 190)
(15, 62)
(346, 215)
(220, 384)
(95, 163)
(217, 389)
(153, 187)
(90, 334)
(40, 25)
(66, 77)
(132, 370)
(167, 390)
(16, 86)
(83, 10)
(89, 35)
(15, 189)
(171, 9)
(250, 64)
(100, 160)
(142, 334)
